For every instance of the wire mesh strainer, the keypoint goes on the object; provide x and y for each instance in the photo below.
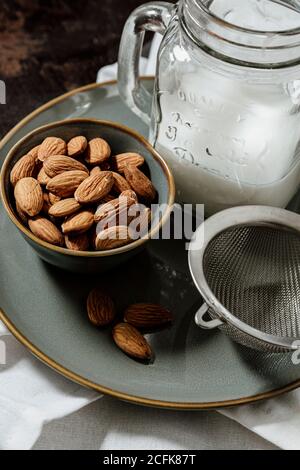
(245, 262)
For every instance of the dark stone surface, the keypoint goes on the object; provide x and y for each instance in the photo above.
(50, 47)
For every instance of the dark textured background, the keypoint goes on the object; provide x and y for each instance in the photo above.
(50, 47)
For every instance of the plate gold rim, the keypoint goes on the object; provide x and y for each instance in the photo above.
(85, 382)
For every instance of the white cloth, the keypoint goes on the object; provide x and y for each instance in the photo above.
(32, 395)
(109, 424)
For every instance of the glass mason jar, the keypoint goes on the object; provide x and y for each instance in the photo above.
(225, 111)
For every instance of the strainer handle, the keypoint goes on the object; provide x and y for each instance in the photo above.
(206, 324)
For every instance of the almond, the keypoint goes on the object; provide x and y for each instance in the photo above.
(113, 237)
(53, 198)
(129, 193)
(34, 152)
(23, 168)
(78, 223)
(94, 188)
(120, 183)
(64, 208)
(147, 316)
(65, 184)
(46, 230)
(98, 150)
(129, 158)
(130, 341)
(114, 212)
(140, 183)
(77, 145)
(100, 307)
(56, 164)
(29, 196)
(95, 171)
(77, 242)
(43, 178)
(106, 208)
(52, 146)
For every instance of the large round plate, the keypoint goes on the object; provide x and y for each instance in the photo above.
(45, 308)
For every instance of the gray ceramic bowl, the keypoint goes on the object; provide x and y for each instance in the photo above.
(121, 139)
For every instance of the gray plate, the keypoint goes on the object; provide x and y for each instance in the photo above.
(46, 309)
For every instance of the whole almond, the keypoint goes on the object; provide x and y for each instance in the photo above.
(51, 146)
(78, 223)
(140, 183)
(65, 184)
(113, 237)
(23, 168)
(120, 183)
(46, 230)
(56, 164)
(34, 152)
(100, 307)
(77, 145)
(131, 342)
(43, 178)
(53, 198)
(94, 188)
(64, 207)
(77, 242)
(147, 316)
(121, 160)
(114, 212)
(98, 150)
(29, 196)
(106, 208)
(95, 171)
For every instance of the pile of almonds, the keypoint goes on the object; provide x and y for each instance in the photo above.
(63, 191)
(137, 319)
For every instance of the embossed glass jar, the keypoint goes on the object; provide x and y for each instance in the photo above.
(225, 111)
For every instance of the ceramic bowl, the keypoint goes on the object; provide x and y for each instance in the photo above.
(121, 139)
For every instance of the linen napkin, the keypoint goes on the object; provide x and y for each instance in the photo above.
(31, 394)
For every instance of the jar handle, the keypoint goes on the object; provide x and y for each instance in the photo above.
(153, 17)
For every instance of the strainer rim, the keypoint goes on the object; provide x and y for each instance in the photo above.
(212, 227)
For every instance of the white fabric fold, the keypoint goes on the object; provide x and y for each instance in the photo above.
(276, 420)
(31, 394)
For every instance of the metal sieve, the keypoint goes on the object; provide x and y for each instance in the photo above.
(245, 262)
